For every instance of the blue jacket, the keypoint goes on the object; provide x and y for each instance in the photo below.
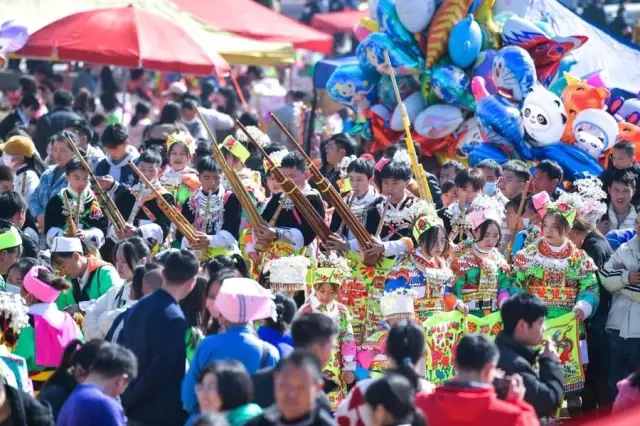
(154, 329)
(120, 171)
(51, 183)
(50, 124)
(282, 342)
(239, 343)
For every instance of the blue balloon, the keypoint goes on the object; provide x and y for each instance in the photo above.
(487, 151)
(352, 86)
(501, 124)
(575, 162)
(514, 73)
(370, 54)
(453, 86)
(388, 21)
(387, 96)
(465, 42)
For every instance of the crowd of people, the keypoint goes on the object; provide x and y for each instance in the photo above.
(189, 270)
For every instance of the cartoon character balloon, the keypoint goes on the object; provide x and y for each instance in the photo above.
(386, 94)
(465, 42)
(579, 97)
(438, 121)
(415, 15)
(389, 22)
(13, 36)
(484, 68)
(491, 38)
(595, 131)
(350, 85)
(364, 27)
(452, 85)
(514, 73)
(544, 116)
(370, 54)
(447, 15)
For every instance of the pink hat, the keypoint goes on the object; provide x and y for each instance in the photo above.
(477, 218)
(242, 300)
(540, 200)
(381, 163)
(38, 288)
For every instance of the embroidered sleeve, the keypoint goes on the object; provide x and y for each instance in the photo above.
(347, 341)
(589, 292)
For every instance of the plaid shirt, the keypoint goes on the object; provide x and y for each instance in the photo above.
(46, 190)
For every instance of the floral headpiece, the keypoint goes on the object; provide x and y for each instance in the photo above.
(423, 215)
(565, 209)
(183, 137)
(402, 156)
(332, 269)
(13, 318)
(586, 200)
(288, 273)
(235, 147)
(485, 208)
(276, 157)
(344, 165)
(398, 303)
(258, 135)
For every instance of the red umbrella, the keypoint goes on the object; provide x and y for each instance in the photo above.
(125, 36)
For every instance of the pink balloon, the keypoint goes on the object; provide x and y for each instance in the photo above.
(598, 79)
(479, 88)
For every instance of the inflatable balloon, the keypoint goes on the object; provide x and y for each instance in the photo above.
(389, 22)
(545, 25)
(518, 7)
(414, 104)
(370, 54)
(426, 89)
(563, 77)
(447, 15)
(629, 132)
(438, 121)
(469, 136)
(364, 27)
(350, 85)
(373, 8)
(491, 38)
(487, 151)
(598, 79)
(415, 15)
(465, 42)
(452, 85)
(484, 68)
(578, 97)
(514, 73)
(595, 131)
(13, 36)
(523, 33)
(381, 111)
(544, 116)
(575, 163)
(386, 94)
(629, 107)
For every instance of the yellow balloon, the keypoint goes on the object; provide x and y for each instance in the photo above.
(484, 16)
(364, 27)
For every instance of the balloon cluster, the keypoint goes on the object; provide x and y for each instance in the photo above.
(479, 80)
(12, 37)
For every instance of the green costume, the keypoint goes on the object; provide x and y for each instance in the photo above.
(98, 278)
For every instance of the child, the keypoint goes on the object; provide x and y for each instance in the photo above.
(215, 212)
(20, 154)
(331, 272)
(179, 179)
(85, 142)
(85, 212)
(13, 211)
(623, 159)
(237, 150)
(276, 153)
(449, 194)
(469, 183)
(7, 179)
(90, 277)
(534, 211)
(621, 212)
(115, 140)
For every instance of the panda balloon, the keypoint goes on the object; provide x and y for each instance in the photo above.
(544, 116)
(595, 131)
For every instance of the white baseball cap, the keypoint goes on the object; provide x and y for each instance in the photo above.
(176, 88)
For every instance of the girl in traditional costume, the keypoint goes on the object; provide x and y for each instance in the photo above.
(78, 204)
(13, 318)
(287, 275)
(424, 269)
(50, 330)
(331, 272)
(481, 272)
(534, 211)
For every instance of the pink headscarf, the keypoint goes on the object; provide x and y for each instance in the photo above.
(477, 218)
(540, 201)
(242, 300)
(38, 288)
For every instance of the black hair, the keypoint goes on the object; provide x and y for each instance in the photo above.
(302, 359)
(203, 148)
(309, 328)
(170, 113)
(183, 145)
(97, 119)
(211, 325)
(73, 165)
(474, 352)
(57, 78)
(625, 178)
(138, 277)
(274, 147)
(634, 378)
(249, 119)
(180, 266)
(484, 227)
(62, 98)
(64, 136)
(114, 135)
(514, 203)
(429, 238)
(11, 203)
(396, 395)
(113, 360)
(627, 146)
(362, 166)
(523, 306)
(551, 168)
(344, 141)
(560, 221)
(286, 309)
(141, 110)
(447, 186)
(396, 170)
(452, 163)
(133, 250)
(192, 304)
(491, 165)
(207, 164)
(109, 101)
(76, 353)
(7, 174)
(17, 131)
(82, 127)
(24, 265)
(518, 168)
(84, 103)
(293, 160)
(583, 226)
(28, 85)
(220, 262)
(235, 387)
(150, 156)
(189, 103)
(30, 102)
(466, 177)
(405, 346)
(47, 276)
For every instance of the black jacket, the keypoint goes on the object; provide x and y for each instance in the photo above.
(29, 247)
(434, 187)
(545, 389)
(597, 248)
(9, 123)
(56, 394)
(263, 380)
(50, 124)
(26, 410)
(271, 416)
